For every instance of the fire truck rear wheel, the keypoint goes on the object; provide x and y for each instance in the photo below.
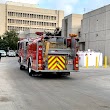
(30, 69)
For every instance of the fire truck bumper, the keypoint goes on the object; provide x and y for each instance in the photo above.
(56, 71)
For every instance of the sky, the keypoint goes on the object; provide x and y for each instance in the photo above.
(69, 6)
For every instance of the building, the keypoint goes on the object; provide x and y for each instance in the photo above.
(71, 24)
(20, 17)
(95, 31)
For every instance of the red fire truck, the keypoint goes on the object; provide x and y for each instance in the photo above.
(48, 54)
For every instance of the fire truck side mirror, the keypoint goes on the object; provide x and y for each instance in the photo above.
(26, 43)
(18, 45)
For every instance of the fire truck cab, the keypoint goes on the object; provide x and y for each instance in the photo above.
(48, 54)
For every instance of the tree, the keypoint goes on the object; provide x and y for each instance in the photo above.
(3, 44)
(10, 40)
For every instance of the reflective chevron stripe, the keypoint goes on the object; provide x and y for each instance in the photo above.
(56, 62)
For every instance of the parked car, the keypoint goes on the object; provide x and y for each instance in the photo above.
(3, 53)
(11, 53)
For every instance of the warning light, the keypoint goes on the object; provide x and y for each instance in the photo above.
(39, 33)
(73, 35)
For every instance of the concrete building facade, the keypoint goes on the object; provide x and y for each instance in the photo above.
(71, 24)
(95, 31)
(20, 17)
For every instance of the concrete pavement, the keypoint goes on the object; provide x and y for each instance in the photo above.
(88, 89)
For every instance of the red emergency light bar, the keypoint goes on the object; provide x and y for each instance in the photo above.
(39, 33)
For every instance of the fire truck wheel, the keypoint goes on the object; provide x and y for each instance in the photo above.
(30, 69)
(22, 67)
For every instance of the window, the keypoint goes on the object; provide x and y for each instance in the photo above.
(8, 13)
(54, 18)
(39, 23)
(14, 14)
(34, 15)
(11, 13)
(23, 28)
(51, 17)
(44, 17)
(41, 16)
(47, 24)
(10, 27)
(25, 22)
(11, 21)
(32, 22)
(8, 21)
(30, 15)
(42, 23)
(25, 15)
(19, 14)
(55, 24)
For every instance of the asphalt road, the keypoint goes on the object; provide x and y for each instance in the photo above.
(88, 89)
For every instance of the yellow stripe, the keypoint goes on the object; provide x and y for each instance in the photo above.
(61, 63)
(62, 59)
(56, 68)
(52, 63)
(49, 57)
(49, 60)
(53, 67)
(60, 67)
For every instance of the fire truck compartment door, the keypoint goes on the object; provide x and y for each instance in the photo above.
(56, 62)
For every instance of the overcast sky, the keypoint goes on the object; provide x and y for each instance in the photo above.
(69, 6)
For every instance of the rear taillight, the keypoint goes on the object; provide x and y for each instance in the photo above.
(40, 59)
(40, 68)
(76, 63)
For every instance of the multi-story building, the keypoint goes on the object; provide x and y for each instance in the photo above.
(71, 24)
(20, 17)
(95, 31)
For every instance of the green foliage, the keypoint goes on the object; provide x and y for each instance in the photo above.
(9, 40)
(3, 45)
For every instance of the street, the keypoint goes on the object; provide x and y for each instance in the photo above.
(88, 89)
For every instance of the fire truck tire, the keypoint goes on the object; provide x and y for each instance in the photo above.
(22, 67)
(30, 72)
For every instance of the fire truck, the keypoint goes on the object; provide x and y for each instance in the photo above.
(43, 54)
